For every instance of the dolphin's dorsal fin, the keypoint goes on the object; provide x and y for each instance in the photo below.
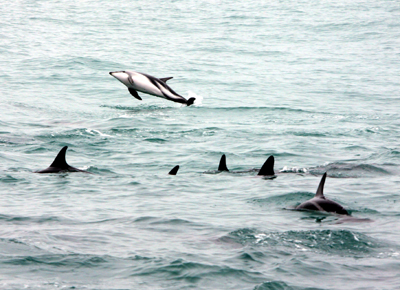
(320, 190)
(174, 170)
(268, 167)
(222, 164)
(60, 161)
(165, 79)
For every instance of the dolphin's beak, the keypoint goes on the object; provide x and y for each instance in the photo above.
(122, 76)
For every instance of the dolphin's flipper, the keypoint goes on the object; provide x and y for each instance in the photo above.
(174, 170)
(222, 164)
(165, 79)
(190, 101)
(268, 167)
(134, 93)
(320, 190)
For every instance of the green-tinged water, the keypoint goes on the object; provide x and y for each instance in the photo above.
(316, 84)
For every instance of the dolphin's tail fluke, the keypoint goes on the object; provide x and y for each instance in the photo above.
(190, 101)
(174, 170)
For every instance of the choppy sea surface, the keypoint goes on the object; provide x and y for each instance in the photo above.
(314, 83)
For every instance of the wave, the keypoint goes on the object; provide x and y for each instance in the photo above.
(333, 242)
(280, 285)
(59, 260)
(141, 108)
(286, 200)
(193, 272)
(35, 219)
(349, 170)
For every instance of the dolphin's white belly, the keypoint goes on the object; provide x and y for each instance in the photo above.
(142, 84)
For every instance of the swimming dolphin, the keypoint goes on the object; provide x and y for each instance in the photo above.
(60, 164)
(321, 203)
(174, 170)
(147, 84)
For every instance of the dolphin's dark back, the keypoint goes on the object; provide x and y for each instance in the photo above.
(158, 82)
(321, 204)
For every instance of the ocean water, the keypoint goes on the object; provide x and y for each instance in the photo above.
(314, 83)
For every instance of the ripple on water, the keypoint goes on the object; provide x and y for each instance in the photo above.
(332, 242)
(349, 170)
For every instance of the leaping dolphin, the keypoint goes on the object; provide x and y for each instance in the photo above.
(60, 164)
(140, 82)
(321, 203)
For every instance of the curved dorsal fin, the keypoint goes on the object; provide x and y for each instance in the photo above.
(174, 170)
(268, 167)
(222, 164)
(320, 190)
(165, 79)
(60, 161)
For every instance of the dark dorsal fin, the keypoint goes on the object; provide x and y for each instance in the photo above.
(320, 190)
(134, 93)
(165, 79)
(268, 167)
(222, 164)
(174, 170)
(60, 161)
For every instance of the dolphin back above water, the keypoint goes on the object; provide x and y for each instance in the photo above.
(60, 164)
(321, 203)
(140, 82)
